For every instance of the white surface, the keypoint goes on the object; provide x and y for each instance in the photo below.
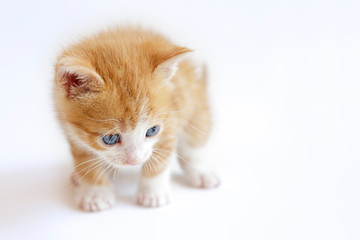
(285, 84)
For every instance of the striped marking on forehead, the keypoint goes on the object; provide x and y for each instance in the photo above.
(133, 119)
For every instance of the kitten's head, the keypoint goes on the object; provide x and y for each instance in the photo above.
(113, 93)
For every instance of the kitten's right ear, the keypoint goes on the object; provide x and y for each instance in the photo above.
(166, 62)
(75, 79)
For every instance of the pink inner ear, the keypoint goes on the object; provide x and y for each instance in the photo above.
(167, 71)
(71, 80)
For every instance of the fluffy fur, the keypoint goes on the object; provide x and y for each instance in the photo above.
(125, 81)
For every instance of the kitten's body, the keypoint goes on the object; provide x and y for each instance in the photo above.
(125, 83)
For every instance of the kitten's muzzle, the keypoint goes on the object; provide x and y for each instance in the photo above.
(132, 161)
(130, 157)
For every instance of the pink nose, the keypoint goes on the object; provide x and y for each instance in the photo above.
(130, 156)
(131, 161)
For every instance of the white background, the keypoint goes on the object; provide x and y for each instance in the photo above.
(285, 84)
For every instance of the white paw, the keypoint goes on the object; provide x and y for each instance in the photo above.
(203, 179)
(93, 198)
(148, 198)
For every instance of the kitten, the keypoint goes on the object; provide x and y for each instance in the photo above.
(128, 97)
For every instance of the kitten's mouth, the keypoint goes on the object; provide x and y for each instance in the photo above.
(133, 163)
(125, 162)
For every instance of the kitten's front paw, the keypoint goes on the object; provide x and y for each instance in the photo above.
(203, 179)
(93, 198)
(148, 198)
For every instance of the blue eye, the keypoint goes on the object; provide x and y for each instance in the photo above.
(152, 131)
(111, 139)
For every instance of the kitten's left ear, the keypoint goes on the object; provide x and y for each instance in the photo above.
(77, 78)
(166, 65)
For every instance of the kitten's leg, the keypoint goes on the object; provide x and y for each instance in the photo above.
(93, 189)
(197, 170)
(154, 189)
(194, 136)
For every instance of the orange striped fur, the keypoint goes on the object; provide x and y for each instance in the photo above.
(109, 82)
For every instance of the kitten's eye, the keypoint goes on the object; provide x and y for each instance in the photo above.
(111, 139)
(152, 131)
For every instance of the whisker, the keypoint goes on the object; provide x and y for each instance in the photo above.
(91, 165)
(102, 173)
(93, 159)
(98, 165)
(163, 152)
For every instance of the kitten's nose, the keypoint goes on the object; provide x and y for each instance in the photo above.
(131, 161)
(131, 156)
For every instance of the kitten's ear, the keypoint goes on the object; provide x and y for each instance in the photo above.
(76, 79)
(166, 64)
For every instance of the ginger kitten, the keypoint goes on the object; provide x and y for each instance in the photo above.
(128, 97)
